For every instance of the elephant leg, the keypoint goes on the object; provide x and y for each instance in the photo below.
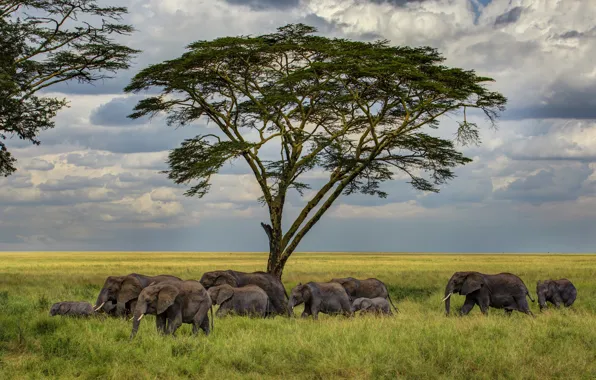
(346, 307)
(522, 305)
(205, 325)
(508, 312)
(160, 323)
(221, 312)
(483, 308)
(306, 313)
(174, 324)
(468, 306)
(278, 305)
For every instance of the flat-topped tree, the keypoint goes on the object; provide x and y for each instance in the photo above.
(360, 111)
(46, 42)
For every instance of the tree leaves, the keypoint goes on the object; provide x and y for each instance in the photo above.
(358, 111)
(38, 50)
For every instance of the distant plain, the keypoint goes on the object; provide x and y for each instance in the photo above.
(419, 342)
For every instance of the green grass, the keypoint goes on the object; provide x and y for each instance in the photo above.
(418, 343)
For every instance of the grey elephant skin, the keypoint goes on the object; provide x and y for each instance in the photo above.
(367, 288)
(501, 291)
(376, 305)
(557, 292)
(249, 300)
(124, 290)
(72, 308)
(174, 303)
(269, 283)
(320, 297)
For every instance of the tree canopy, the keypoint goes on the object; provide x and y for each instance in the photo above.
(45, 42)
(360, 111)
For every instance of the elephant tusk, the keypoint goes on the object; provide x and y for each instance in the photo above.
(448, 295)
(99, 307)
(140, 317)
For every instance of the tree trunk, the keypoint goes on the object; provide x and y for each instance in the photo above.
(275, 238)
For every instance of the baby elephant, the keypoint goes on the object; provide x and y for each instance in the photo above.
(72, 308)
(325, 297)
(556, 292)
(248, 300)
(377, 305)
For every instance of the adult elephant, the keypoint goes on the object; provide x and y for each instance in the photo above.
(248, 300)
(325, 297)
(269, 283)
(174, 303)
(501, 291)
(367, 288)
(124, 290)
(558, 292)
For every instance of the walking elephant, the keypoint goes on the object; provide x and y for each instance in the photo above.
(124, 290)
(174, 303)
(269, 283)
(248, 300)
(501, 291)
(325, 297)
(556, 292)
(368, 288)
(377, 305)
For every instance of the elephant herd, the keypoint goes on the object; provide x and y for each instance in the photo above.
(174, 301)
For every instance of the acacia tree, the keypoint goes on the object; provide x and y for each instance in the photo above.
(45, 42)
(360, 111)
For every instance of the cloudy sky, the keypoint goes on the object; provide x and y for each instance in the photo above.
(94, 183)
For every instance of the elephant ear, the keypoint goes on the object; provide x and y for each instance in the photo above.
(224, 294)
(166, 297)
(225, 278)
(131, 288)
(472, 283)
(350, 286)
(306, 292)
(366, 304)
(553, 287)
(64, 308)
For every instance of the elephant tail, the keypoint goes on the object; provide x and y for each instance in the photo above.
(391, 302)
(211, 309)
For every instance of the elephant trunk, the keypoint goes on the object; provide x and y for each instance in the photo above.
(447, 299)
(290, 307)
(102, 298)
(121, 309)
(140, 311)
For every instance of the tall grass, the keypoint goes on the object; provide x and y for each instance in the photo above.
(418, 343)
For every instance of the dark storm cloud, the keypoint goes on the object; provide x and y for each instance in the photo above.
(571, 34)
(77, 182)
(502, 52)
(509, 17)
(92, 159)
(566, 102)
(398, 3)
(154, 137)
(115, 112)
(549, 185)
(39, 164)
(19, 180)
(266, 4)
(113, 85)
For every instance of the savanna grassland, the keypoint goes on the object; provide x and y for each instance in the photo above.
(418, 343)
